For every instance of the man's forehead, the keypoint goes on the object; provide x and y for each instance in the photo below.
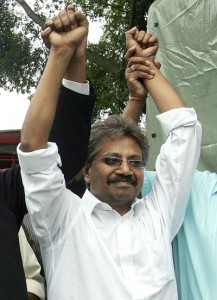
(126, 146)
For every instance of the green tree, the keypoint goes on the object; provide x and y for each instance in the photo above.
(22, 55)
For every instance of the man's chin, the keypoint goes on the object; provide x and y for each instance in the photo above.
(124, 196)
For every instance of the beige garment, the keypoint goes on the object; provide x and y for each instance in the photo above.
(32, 268)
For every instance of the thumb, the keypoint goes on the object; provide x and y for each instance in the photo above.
(151, 51)
(48, 23)
(132, 31)
(130, 53)
(45, 36)
(157, 64)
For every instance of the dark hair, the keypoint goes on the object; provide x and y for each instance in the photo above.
(116, 127)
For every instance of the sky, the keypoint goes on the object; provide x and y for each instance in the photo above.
(13, 107)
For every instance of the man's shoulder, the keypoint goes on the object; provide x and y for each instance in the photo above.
(204, 181)
(6, 175)
(204, 175)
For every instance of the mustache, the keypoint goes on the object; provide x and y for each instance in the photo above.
(127, 179)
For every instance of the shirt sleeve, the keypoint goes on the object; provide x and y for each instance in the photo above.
(34, 281)
(48, 200)
(175, 166)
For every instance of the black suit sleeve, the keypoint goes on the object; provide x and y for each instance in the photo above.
(71, 129)
(12, 210)
(12, 196)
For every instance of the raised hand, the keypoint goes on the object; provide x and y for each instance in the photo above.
(55, 24)
(146, 44)
(80, 50)
(138, 68)
(68, 29)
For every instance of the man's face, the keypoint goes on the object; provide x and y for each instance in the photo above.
(117, 184)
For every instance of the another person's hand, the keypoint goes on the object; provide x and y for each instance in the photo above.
(146, 44)
(138, 68)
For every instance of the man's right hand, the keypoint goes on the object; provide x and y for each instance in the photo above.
(80, 50)
(68, 29)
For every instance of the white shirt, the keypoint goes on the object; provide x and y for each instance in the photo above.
(89, 251)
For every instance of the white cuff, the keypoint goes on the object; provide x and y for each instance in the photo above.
(177, 117)
(81, 88)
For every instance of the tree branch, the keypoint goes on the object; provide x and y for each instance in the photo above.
(108, 64)
(93, 57)
(32, 15)
(132, 16)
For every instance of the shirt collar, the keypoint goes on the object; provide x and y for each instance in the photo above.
(214, 189)
(138, 207)
(91, 202)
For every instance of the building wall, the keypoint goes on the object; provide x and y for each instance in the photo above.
(8, 144)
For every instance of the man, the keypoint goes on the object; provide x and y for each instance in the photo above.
(194, 247)
(109, 244)
(12, 200)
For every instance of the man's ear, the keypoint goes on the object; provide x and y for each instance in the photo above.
(87, 173)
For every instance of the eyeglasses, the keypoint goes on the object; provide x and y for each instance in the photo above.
(116, 162)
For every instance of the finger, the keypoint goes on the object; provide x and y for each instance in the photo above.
(68, 20)
(144, 68)
(138, 60)
(149, 53)
(132, 31)
(72, 19)
(145, 75)
(78, 34)
(136, 34)
(140, 37)
(153, 50)
(130, 53)
(153, 41)
(131, 67)
(81, 19)
(140, 68)
(145, 40)
(70, 7)
(45, 35)
(157, 64)
(48, 23)
(57, 24)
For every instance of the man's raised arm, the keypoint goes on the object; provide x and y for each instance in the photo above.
(39, 118)
(72, 123)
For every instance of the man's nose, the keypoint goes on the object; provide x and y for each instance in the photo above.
(124, 168)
